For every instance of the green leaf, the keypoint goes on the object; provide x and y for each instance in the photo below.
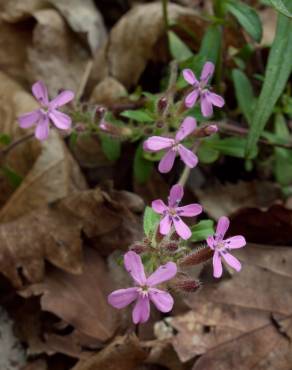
(202, 230)
(282, 8)
(244, 93)
(111, 147)
(178, 49)
(138, 115)
(283, 157)
(206, 154)
(277, 73)
(5, 139)
(233, 146)
(142, 167)
(150, 221)
(211, 43)
(247, 17)
(14, 178)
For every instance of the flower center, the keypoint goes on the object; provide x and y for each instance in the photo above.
(143, 290)
(221, 246)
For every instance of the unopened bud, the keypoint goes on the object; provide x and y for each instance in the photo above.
(138, 248)
(162, 104)
(205, 131)
(79, 127)
(197, 257)
(159, 124)
(114, 130)
(187, 285)
(171, 246)
(99, 112)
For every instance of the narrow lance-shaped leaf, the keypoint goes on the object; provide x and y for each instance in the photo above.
(178, 49)
(277, 73)
(247, 17)
(244, 93)
(282, 8)
(211, 43)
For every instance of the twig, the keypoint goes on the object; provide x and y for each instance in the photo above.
(84, 80)
(165, 14)
(21, 140)
(171, 87)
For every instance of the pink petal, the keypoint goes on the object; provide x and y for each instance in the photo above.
(162, 274)
(232, 261)
(158, 206)
(165, 225)
(181, 228)
(40, 92)
(29, 119)
(210, 241)
(187, 156)
(141, 311)
(175, 195)
(216, 100)
(60, 120)
(122, 297)
(206, 105)
(42, 129)
(222, 227)
(63, 98)
(189, 76)
(155, 143)
(134, 266)
(217, 265)
(207, 72)
(235, 242)
(187, 127)
(190, 210)
(191, 98)
(163, 301)
(167, 161)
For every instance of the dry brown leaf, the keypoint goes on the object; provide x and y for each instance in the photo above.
(225, 199)
(84, 18)
(133, 39)
(80, 301)
(57, 56)
(107, 91)
(237, 322)
(125, 353)
(15, 10)
(54, 233)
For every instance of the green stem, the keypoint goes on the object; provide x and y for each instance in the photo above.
(165, 14)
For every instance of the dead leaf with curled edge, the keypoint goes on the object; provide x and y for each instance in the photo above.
(54, 233)
(244, 322)
(80, 300)
(56, 56)
(133, 41)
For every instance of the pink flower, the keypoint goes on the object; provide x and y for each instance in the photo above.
(174, 146)
(145, 289)
(47, 112)
(221, 247)
(207, 98)
(171, 213)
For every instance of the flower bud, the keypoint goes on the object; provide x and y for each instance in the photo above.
(162, 104)
(211, 129)
(204, 131)
(200, 255)
(187, 285)
(99, 112)
(114, 130)
(138, 248)
(171, 246)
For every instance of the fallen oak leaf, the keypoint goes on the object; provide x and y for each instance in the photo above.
(124, 353)
(80, 300)
(55, 233)
(235, 319)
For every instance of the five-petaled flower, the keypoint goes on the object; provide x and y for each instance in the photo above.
(145, 289)
(207, 98)
(173, 146)
(221, 247)
(172, 213)
(47, 112)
